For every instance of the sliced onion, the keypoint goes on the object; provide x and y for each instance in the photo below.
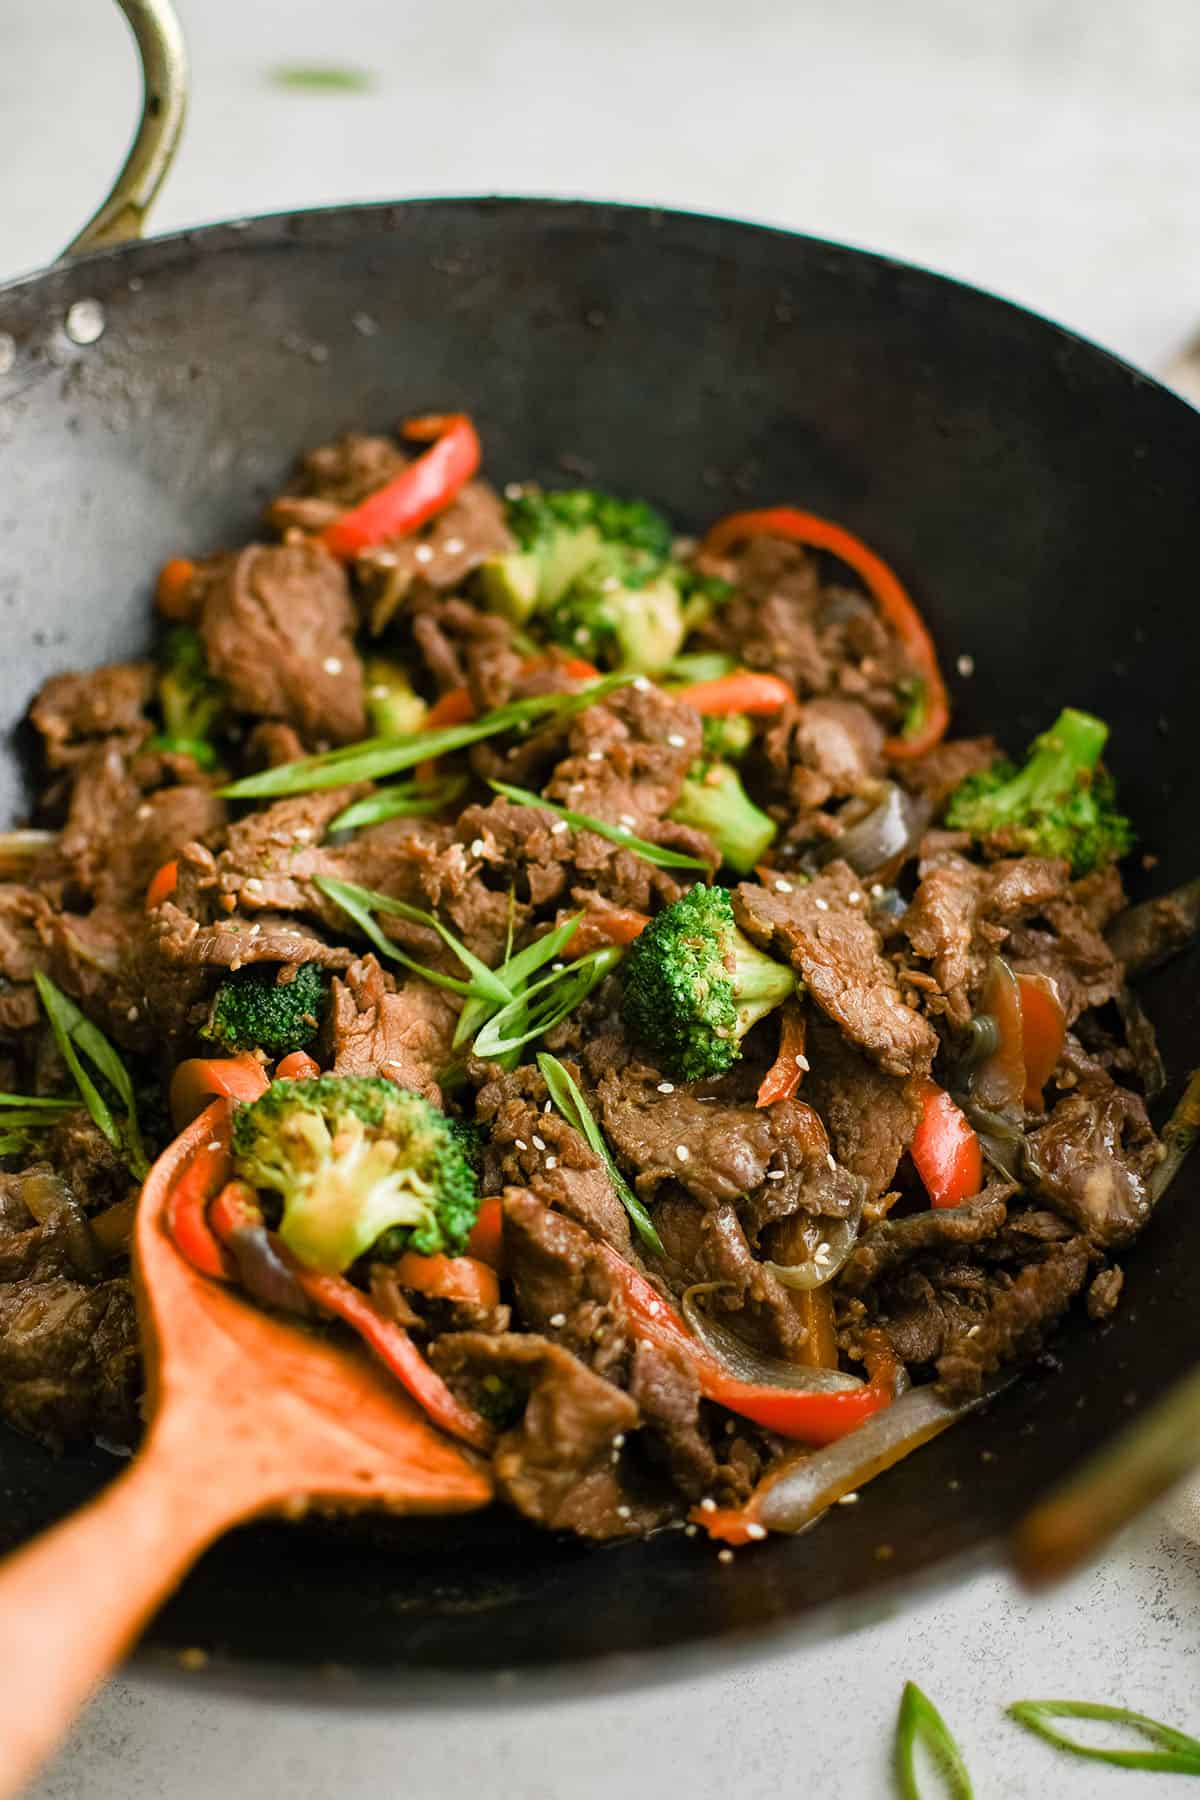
(804, 1488)
(1145, 936)
(20, 848)
(744, 1363)
(1143, 1044)
(838, 1240)
(263, 1271)
(889, 834)
(1179, 1136)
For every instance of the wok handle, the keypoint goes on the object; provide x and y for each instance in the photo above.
(164, 101)
(75, 1599)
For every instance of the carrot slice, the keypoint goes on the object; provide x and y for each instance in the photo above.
(464, 1278)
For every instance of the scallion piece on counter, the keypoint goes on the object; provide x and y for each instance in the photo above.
(1175, 1753)
(920, 1721)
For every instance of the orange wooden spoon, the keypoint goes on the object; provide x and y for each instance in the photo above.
(246, 1416)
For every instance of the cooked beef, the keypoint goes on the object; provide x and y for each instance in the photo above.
(825, 750)
(278, 631)
(1092, 1160)
(530, 1148)
(706, 1244)
(333, 477)
(68, 1336)
(462, 646)
(116, 836)
(1015, 1322)
(944, 1229)
(562, 1284)
(1104, 1294)
(939, 771)
(870, 1116)
(270, 744)
(1144, 936)
(410, 569)
(235, 943)
(822, 929)
(93, 1170)
(74, 711)
(25, 921)
(376, 1028)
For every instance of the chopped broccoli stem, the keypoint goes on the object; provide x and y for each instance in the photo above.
(726, 735)
(714, 801)
(356, 1161)
(694, 985)
(1061, 803)
(392, 707)
(191, 701)
(254, 1010)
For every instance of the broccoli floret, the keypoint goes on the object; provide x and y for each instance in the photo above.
(713, 800)
(190, 699)
(392, 707)
(356, 1160)
(1061, 803)
(694, 985)
(595, 574)
(253, 1010)
(726, 735)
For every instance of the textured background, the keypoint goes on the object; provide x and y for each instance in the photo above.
(1047, 149)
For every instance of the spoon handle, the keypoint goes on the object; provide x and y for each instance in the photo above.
(76, 1598)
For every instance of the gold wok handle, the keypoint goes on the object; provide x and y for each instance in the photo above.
(164, 101)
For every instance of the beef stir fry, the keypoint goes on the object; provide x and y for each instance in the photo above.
(697, 1077)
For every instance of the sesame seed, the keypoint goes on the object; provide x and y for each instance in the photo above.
(654, 1308)
(682, 1152)
(831, 1164)
(973, 1331)
(424, 553)
(627, 819)
(756, 1531)
(378, 692)
(303, 834)
(557, 1320)
(595, 756)
(618, 1440)
(724, 1556)
(708, 1504)
(520, 1143)
(477, 846)
(966, 665)
(453, 546)
(132, 1014)
(332, 665)
(822, 1253)
(690, 1530)
(877, 890)
(666, 1087)
(624, 1512)
(538, 1143)
(143, 811)
(774, 1174)
(641, 684)
(821, 905)
(552, 1162)
(513, 490)
(803, 1064)
(254, 885)
(854, 897)
(556, 968)
(847, 1499)
(559, 826)
(254, 930)
(546, 1106)
(215, 1145)
(783, 887)
(677, 740)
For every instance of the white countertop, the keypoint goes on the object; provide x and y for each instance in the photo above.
(1047, 149)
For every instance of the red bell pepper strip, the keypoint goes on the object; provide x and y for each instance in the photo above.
(465, 1278)
(186, 1212)
(945, 1150)
(456, 707)
(395, 1349)
(487, 1234)
(299, 1066)
(810, 1418)
(1043, 1034)
(743, 691)
(196, 1081)
(886, 589)
(787, 1071)
(411, 498)
(162, 885)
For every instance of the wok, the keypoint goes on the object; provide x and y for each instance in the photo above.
(1041, 498)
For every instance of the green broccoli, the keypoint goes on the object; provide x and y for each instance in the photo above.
(1061, 803)
(356, 1162)
(595, 574)
(253, 1010)
(727, 735)
(392, 706)
(190, 699)
(713, 800)
(694, 985)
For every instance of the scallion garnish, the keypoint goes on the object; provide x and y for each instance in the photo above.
(361, 904)
(77, 1038)
(24, 1117)
(920, 1719)
(515, 972)
(575, 1110)
(544, 1004)
(403, 800)
(698, 665)
(616, 834)
(375, 758)
(1175, 1754)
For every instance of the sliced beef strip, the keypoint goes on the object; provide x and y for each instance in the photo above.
(826, 749)
(73, 711)
(944, 1229)
(25, 921)
(1016, 1320)
(1092, 1160)
(402, 1033)
(521, 845)
(771, 1161)
(939, 771)
(627, 758)
(463, 646)
(410, 570)
(278, 629)
(234, 943)
(1073, 952)
(565, 1175)
(563, 1286)
(92, 1168)
(676, 1435)
(333, 477)
(116, 837)
(563, 1464)
(870, 1116)
(707, 1244)
(68, 1338)
(95, 958)
(821, 928)
(270, 744)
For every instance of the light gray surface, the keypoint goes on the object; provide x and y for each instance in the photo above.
(1048, 149)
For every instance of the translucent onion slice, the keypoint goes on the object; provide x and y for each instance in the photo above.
(886, 837)
(742, 1361)
(837, 1240)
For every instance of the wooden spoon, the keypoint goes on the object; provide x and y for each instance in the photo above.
(246, 1416)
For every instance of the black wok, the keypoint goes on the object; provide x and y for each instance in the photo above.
(1041, 498)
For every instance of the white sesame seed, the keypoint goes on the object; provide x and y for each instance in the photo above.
(682, 1152)
(332, 665)
(854, 897)
(303, 834)
(520, 1143)
(877, 890)
(627, 819)
(690, 1530)
(424, 553)
(552, 1162)
(558, 1320)
(255, 929)
(708, 1504)
(378, 692)
(830, 1163)
(775, 1174)
(756, 1531)
(546, 1106)
(822, 1254)
(783, 887)
(132, 1014)
(803, 1064)
(477, 846)
(641, 684)
(654, 1308)
(595, 756)
(966, 665)
(618, 1440)
(973, 1331)
(254, 885)
(821, 905)
(513, 490)
(724, 1556)
(556, 968)
(538, 1143)
(847, 1499)
(559, 826)
(143, 811)
(453, 546)
(624, 1512)
(215, 1145)
(666, 1087)
(677, 740)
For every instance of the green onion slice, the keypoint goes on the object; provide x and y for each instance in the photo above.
(575, 1110)
(616, 834)
(920, 1719)
(403, 800)
(361, 904)
(78, 1038)
(1176, 1753)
